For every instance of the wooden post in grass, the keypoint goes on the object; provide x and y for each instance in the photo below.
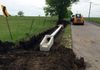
(9, 29)
(6, 14)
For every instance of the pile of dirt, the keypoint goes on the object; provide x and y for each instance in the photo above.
(59, 58)
(6, 46)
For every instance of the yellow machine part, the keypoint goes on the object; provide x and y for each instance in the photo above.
(78, 20)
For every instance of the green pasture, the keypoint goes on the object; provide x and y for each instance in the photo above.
(21, 26)
(97, 20)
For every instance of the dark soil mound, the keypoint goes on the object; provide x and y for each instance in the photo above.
(59, 58)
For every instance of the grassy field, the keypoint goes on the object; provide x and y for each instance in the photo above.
(97, 20)
(20, 26)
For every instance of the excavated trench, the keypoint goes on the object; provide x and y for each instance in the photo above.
(25, 55)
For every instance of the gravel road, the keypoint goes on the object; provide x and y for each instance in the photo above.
(86, 43)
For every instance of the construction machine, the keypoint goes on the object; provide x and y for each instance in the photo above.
(77, 19)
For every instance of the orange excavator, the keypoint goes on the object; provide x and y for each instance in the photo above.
(77, 19)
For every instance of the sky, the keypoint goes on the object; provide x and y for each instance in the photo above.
(35, 7)
(29, 7)
(83, 7)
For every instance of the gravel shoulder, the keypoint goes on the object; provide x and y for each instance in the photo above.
(86, 43)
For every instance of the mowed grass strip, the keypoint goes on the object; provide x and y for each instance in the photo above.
(67, 37)
(97, 20)
(20, 26)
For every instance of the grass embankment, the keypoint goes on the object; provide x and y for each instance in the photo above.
(20, 26)
(67, 37)
(97, 20)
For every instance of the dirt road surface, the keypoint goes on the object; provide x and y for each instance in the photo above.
(86, 43)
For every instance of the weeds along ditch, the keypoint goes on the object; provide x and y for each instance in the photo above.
(46, 26)
(25, 44)
(32, 43)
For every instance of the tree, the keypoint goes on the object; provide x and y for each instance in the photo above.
(21, 13)
(69, 13)
(59, 8)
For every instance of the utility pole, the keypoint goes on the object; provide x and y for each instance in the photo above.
(89, 10)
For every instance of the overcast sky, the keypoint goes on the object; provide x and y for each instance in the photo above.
(35, 7)
(83, 8)
(29, 7)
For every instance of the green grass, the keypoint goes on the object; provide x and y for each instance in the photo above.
(67, 37)
(20, 26)
(67, 31)
(97, 20)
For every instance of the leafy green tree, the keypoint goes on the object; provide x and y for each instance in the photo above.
(21, 13)
(69, 13)
(59, 8)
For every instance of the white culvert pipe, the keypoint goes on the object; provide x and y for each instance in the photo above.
(57, 30)
(48, 40)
